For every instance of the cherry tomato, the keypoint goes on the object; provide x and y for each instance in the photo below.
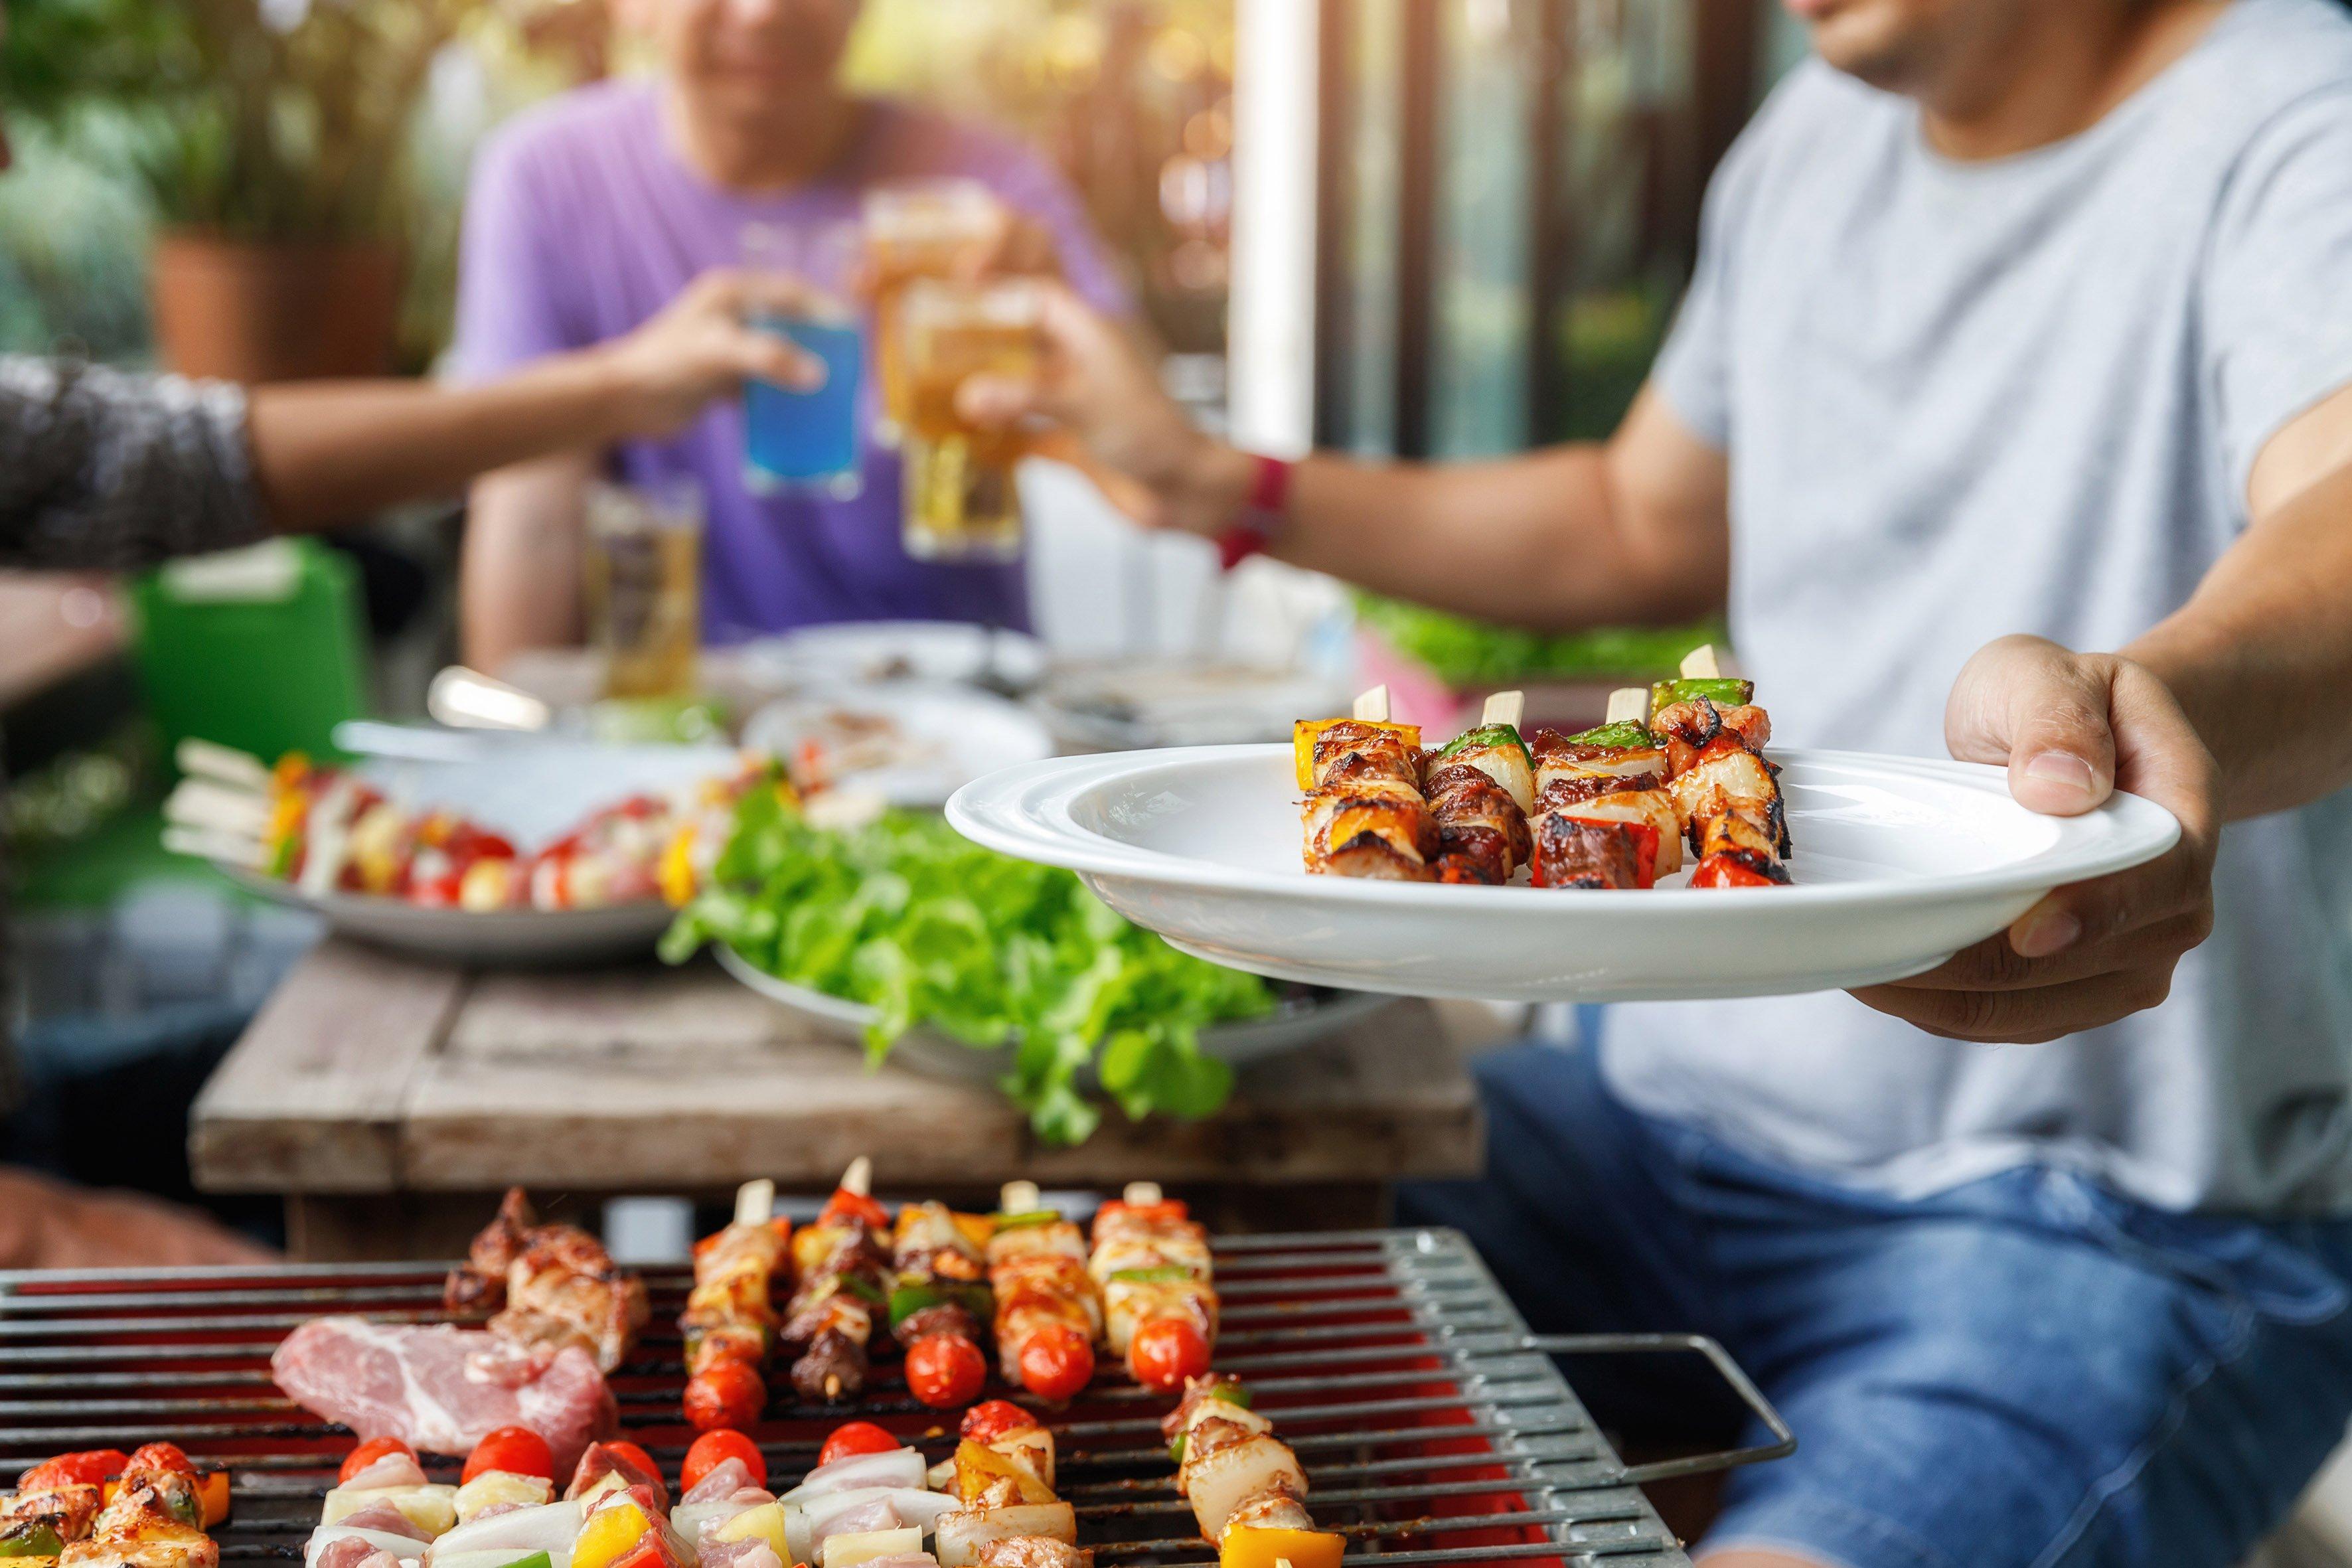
(160, 1457)
(944, 1370)
(518, 1450)
(368, 1453)
(856, 1437)
(1056, 1362)
(87, 1469)
(727, 1393)
(713, 1449)
(985, 1423)
(1165, 1351)
(846, 1205)
(624, 1449)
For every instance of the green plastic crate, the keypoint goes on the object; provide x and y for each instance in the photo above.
(258, 648)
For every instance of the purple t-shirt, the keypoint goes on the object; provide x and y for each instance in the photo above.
(582, 222)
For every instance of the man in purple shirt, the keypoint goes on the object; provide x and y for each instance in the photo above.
(587, 213)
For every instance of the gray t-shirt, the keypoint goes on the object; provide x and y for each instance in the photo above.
(1962, 400)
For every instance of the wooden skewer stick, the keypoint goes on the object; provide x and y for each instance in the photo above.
(195, 803)
(1629, 702)
(1019, 1197)
(859, 1177)
(222, 765)
(227, 848)
(1140, 1195)
(1700, 663)
(755, 1202)
(1372, 707)
(1504, 708)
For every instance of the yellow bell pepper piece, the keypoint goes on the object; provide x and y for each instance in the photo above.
(608, 1535)
(1303, 736)
(1245, 1546)
(977, 1468)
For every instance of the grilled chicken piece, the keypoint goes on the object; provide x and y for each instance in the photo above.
(1572, 852)
(1482, 833)
(1369, 826)
(1033, 1552)
(1725, 774)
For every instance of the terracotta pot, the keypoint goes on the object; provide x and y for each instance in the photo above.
(250, 312)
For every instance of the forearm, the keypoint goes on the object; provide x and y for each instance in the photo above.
(2261, 657)
(330, 452)
(1542, 540)
(519, 583)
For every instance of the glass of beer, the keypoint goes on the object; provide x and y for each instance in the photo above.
(961, 503)
(642, 582)
(795, 439)
(916, 228)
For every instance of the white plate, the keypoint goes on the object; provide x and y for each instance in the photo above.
(954, 734)
(939, 1055)
(488, 939)
(530, 789)
(894, 651)
(1899, 863)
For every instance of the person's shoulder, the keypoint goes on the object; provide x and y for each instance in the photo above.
(2272, 61)
(581, 126)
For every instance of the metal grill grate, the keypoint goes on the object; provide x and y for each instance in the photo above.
(1433, 1428)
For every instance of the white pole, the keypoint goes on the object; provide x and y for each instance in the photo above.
(1270, 324)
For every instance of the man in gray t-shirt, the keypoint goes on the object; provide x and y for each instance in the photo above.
(2009, 411)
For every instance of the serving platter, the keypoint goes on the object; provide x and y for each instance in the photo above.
(1899, 863)
(1293, 1025)
(530, 789)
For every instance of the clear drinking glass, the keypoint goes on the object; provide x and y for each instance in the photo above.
(791, 438)
(641, 580)
(961, 503)
(916, 229)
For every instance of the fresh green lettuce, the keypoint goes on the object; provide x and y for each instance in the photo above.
(910, 918)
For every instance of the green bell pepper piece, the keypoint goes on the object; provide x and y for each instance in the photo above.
(1154, 1275)
(33, 1538)
(1720, 689)
(1486, 735)
(1623, 735)
(536, 1559)
(1024, 1221)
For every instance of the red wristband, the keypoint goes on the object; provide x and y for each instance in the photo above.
(1269, 499)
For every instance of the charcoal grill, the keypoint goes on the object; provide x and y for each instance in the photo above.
(1433, 1427)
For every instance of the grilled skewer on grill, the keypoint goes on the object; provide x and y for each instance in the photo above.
(1048, 1314)
(551, 1284)
(104, 1509)
(1246, 1487)
(729, 1321)
(940, 1302)
(1151, 1263)
(843, 1270)
(1002, 1474)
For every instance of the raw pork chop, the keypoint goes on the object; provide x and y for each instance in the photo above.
(442, 1389)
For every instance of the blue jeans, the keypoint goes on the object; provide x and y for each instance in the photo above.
(2026, 1369)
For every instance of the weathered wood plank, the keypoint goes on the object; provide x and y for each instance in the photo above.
(309, 1100)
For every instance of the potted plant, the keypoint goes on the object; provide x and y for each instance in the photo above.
(273, 137)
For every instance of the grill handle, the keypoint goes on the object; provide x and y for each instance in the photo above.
(1783, 1444)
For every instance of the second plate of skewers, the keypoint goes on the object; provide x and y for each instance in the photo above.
(1675, 852)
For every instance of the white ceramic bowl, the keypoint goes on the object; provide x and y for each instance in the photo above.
(1899, 863)
(938, 1055)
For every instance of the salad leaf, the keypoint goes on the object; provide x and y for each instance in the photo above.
(1464, 652)
(910, 918)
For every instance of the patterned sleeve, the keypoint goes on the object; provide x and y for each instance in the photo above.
(103, 470)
